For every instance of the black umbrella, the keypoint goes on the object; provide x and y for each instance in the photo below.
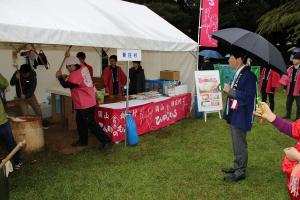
(254, 44)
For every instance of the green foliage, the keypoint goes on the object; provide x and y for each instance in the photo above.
(284, 19)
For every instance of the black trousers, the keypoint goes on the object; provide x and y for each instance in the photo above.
(289, 104)
(85, 120)
(264, 97)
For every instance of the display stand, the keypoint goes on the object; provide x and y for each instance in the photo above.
(216, 111)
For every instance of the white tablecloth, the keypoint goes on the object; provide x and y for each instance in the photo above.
(132, 103)
(120, 105)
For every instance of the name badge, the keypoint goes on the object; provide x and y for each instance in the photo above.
(233, 104)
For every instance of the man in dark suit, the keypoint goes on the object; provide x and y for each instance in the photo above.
(240, 104)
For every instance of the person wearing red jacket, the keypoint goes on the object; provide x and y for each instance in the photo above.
(84, 102)
(291, 162)
(114, 78)
(81, 57)
(269, 81)
(292, 84)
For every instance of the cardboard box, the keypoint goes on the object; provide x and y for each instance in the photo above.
(169, 75)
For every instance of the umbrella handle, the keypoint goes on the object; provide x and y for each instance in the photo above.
(12, 153)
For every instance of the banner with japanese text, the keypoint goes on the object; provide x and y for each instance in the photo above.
(209, 23)
(148, 117)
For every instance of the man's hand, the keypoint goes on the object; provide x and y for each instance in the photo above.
(226, 88)
(17, 75)
(23, 96)
(58, 73)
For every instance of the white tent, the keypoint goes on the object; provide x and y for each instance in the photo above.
(109, 24)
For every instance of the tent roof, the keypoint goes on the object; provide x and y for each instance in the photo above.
(96, 23)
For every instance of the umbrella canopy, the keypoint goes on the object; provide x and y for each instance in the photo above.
(254, 44)
(211, 54)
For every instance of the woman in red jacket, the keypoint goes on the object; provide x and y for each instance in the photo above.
(269, 81)
(290, 164)
(84, 102)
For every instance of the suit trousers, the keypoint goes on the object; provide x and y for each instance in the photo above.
(240, 150)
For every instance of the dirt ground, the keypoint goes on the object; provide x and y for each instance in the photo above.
(59, 138)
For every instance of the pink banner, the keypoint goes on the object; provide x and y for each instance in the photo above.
(148, 117)
(209, 22)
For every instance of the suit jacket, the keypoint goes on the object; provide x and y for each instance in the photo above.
(245, 94)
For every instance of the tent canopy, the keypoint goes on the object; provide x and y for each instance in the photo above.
(96, 23)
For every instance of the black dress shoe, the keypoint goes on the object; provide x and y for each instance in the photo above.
(234, 178)
(228, 170)
(78, 144)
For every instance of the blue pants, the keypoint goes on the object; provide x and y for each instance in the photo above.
(8, 138)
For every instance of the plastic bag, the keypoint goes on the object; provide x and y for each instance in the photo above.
(132, 135)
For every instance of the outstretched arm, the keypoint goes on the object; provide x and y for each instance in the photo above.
(282, 125)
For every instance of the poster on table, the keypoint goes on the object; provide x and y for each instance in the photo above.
(209, 96)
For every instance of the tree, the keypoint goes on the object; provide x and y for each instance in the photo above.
(282, 23)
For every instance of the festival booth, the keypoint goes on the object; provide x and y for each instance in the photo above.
(92, 26)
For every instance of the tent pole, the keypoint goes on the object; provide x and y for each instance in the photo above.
(127, 101)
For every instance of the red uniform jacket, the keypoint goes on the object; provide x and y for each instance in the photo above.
(286, 80)
(108, 79)
(273, 80)
(287, 165)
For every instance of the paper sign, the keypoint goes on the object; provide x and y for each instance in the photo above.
(129, 54)
(209, 96)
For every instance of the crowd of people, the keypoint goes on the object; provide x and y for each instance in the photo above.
(79, 81)
(240, 108)
(242, 103)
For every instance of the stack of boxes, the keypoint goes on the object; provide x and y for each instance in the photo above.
(168, 84)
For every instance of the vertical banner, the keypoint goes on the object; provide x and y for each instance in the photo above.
(209, 95)
(209, 22)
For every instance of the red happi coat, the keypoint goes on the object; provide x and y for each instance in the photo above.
(286, 80)
(90, 68)
(287, 165)
(108, 80)
(273, 80)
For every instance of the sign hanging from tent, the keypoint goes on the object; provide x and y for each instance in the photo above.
(209, 22)
(129, 54)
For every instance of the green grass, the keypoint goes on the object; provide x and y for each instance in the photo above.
(182, 161)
